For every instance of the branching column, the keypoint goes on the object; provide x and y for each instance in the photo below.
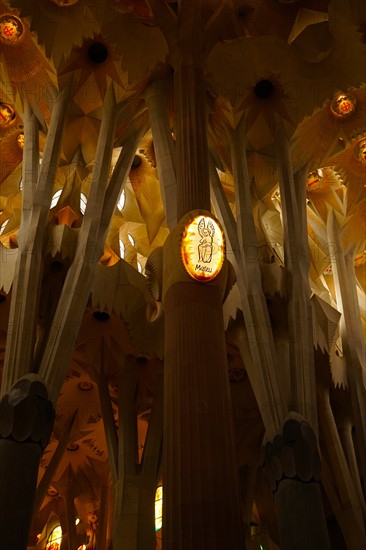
(26, 419)
(134, 483)
(201, 490)
(155, 96)
(298, 497)
(292, 466)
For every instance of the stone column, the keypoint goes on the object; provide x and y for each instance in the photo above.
(292, 465)
(202, 507)
(26, 419)
(155, 96)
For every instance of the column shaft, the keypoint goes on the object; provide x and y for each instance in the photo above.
(18, 479)
(201, 490)
(193, 190)
(300, 516)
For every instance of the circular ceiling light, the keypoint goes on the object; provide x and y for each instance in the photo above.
(20, 140)
(7, 114)
(85, 385)
(11, 29)
(52, 492)
(343, 105)
(72, 447)
(360, 150)
(314, 180)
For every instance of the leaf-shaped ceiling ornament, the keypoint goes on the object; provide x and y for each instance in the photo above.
(11, 153)
(317, 137)
(59, 28)
(143, 47)
(92, 66)
(27, 72)
(351, 165)
(324, 190)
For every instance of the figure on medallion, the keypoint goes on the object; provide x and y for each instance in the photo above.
(205, 247)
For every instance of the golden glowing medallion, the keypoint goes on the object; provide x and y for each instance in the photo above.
(11, 29)
(314, 180)
(203, 248)
(360, 150)
(343, 105)
(7, 114)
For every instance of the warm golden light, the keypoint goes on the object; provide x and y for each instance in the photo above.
(7, 114)
(360, 150)
(55, 538)
(11, 29)
(314, 180)
(343, 105)
(203, 248)
(20, 140)
(159, 508)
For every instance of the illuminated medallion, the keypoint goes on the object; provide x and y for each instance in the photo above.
(360, 150)
(11, 29)
(343, 105)
(20, 140)
(7, 114)
(55, 538)
(314, 180)
(203, 248)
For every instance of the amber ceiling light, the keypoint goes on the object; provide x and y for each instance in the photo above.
(343, 105)
(72, 447)
(360, 150)
(11, 29)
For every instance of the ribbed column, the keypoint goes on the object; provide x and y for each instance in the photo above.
(351, 522)
(155, 96)
(26, 418)
(201, 493)
(292, 465)
(193, 190)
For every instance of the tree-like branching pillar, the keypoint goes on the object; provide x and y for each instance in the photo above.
(292, 465)
(200, 476)
(26, 419)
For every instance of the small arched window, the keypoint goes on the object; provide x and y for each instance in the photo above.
(55, 538)
(3, 225)
(83, 201)
(121, 200)
(122, 249)
(55, 198)
(158, 508)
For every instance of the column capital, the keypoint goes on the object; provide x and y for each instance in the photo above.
(26, 413)
(292, 455)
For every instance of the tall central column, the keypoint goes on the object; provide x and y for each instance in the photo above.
(202, 508)
(193, 189)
